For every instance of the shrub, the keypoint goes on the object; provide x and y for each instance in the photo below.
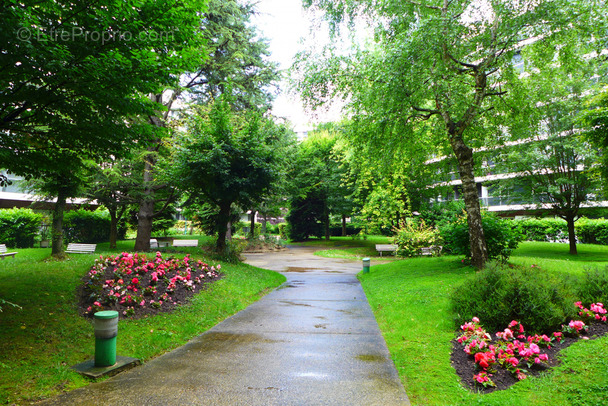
(335, 229)
(501, 237)
(412, 236)
(592, 231)
(547, 229)
(86, 226)
(19, 227)
(282, 227)
(439, 214)
(593, 286)
(499, 294)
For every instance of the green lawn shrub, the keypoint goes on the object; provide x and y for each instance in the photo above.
(590, 231)
(593, 287)
(335, 229)
(499, 294)
(542, 230)
(282, 227)
(84, 226)
(412, 236)
(19, 227)
(501, 237)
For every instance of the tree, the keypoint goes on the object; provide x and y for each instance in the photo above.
(234, 62)
(595, 123)
(317, 188)
(446, 62)
(225, 158)
(75, 78)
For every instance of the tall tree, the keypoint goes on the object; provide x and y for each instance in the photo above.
(225, 158)
(444, 61)
(234, 61)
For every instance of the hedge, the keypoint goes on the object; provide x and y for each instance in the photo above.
(19, 227)
(588, 231)
(85, 226)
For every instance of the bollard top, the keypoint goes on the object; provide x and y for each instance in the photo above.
(366, 259)
(106, 314)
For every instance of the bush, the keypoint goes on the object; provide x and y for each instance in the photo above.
(592, 231)
(19, 227)
(283, 229)
(335, 229)
(89, 227)
(547, 229)
(593, 286)
(242, 227)
(501, 237)
(499, 294)
(413, 236)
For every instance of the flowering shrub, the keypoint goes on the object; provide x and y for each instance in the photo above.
(131, 282)
(513, 350)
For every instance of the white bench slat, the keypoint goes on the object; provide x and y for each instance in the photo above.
(4, 254)
(153, 243)
(185, 243)
(75, 248)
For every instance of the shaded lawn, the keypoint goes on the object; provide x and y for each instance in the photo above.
(39, 343)
(410, 300)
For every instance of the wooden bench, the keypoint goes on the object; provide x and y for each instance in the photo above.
(153, 243)
(185, 243)
(386, 248)
(74, 248)
(3, 252)
(434, 250)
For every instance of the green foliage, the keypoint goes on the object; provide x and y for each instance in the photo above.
(86, 226)
(305, 216)
(19, 227)
(499, 294)
(438, 214)
(414, 235)
(592, 231)
(547, 229)
(501, 237)
(592, 287)
(283, 230)
(238, 228)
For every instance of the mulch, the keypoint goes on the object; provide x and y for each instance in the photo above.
(464, 364)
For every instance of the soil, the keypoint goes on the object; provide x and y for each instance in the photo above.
(464, 364)
(179, 296)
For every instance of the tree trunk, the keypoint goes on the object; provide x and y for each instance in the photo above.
(146, 208)
(57, 227)
(464, 156)
(264, 224)
(327, 227)
(223, 220)
(252, 224)
(113, 227)
(343, 225)
(571, 234)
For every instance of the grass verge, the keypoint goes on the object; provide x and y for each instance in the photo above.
(40, 342)
(410, 300)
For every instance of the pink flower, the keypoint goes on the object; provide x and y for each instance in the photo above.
(475, 320)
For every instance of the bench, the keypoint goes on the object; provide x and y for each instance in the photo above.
(434, 250)
(3, 252)
(386, 248)
(185, 243)
(153, 243)
(74, 248)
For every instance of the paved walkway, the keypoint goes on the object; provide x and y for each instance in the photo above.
(313, 341)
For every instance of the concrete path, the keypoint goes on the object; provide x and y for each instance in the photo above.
(313, 341)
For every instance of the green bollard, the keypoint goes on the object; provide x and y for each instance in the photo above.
(106, 330)
(366, 264)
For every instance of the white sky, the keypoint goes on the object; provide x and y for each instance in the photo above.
(284, 23)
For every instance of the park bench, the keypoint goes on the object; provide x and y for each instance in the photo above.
(434, 250)
(3, 252)
(74, 248)
(385, 248)
(153, 243)
(185, 243)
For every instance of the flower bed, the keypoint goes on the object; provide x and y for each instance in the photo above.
(135, 285)
(484, 364)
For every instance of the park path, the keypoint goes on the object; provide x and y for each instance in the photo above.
(313, 341)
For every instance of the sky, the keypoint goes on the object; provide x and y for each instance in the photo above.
(284, 23)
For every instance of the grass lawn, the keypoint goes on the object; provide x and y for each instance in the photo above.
(410, 299)
(349, 248)
(40, 342)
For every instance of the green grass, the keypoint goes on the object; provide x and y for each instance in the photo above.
(410, 300)
(349, 248)
(40, 342)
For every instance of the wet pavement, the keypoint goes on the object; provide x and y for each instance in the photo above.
(313, 341)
